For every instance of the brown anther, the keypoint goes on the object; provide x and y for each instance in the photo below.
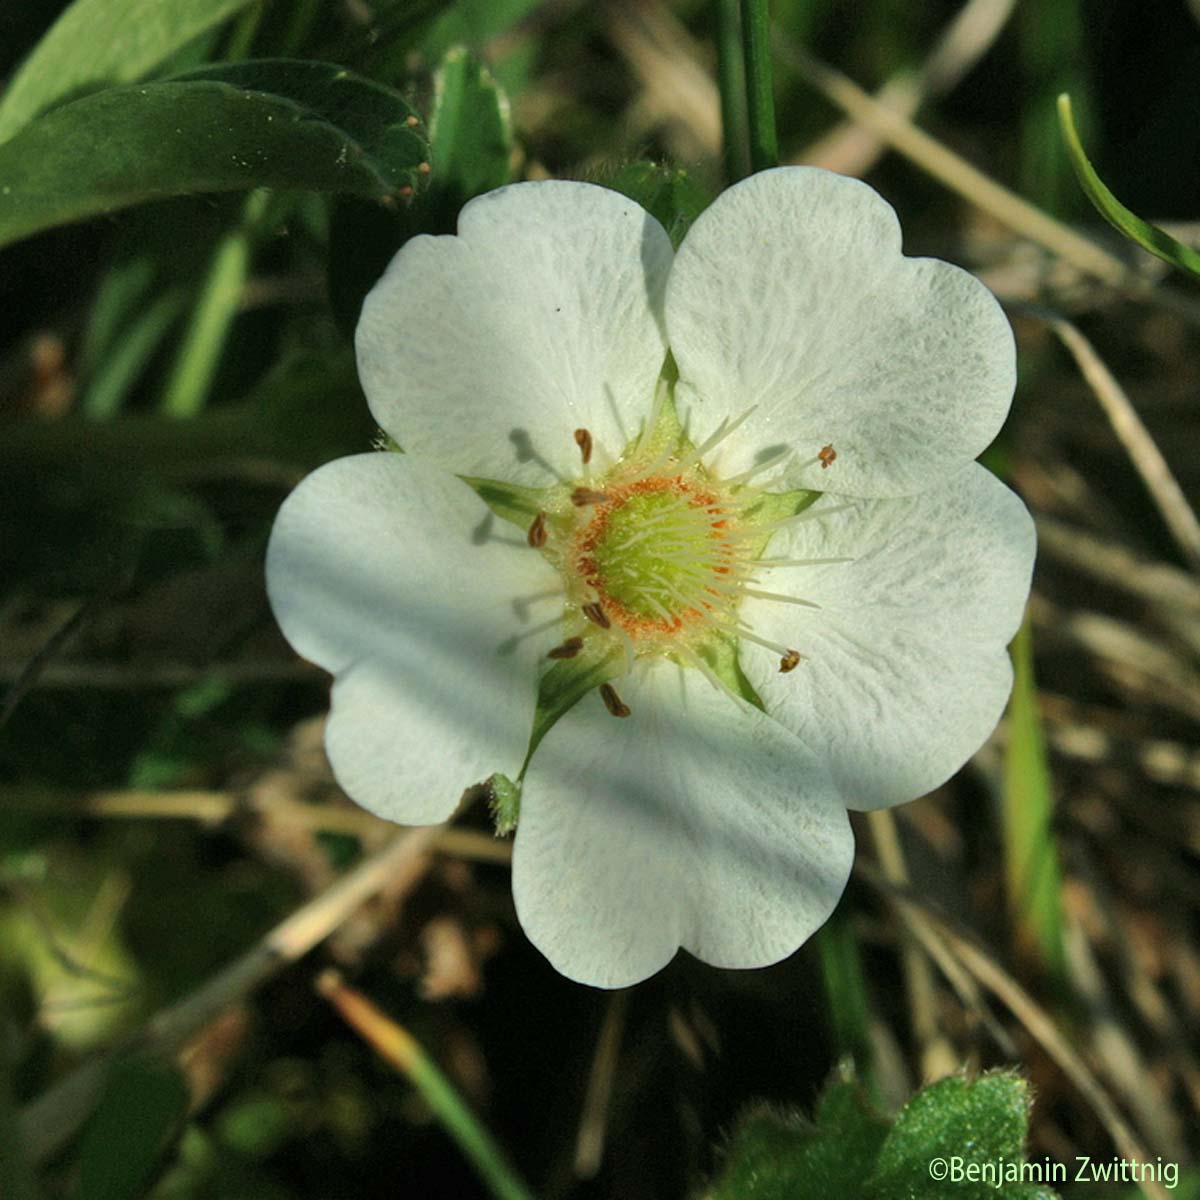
(596, 615)
(537, 531)
(582, 496)
(827, 455)
(789, 662)
(568, 649)
(583, 440)
(612, 701)
(412, 122)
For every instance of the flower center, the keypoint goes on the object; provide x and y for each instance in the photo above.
(658, 551)
(660, 554)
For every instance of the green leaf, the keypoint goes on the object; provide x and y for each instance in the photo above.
(974, 1126)
(1032, 875)
(669, 194)
(474, 22)
(273, 123)
(470, 130)
(776, 1155)
(141, 1109)
(1148, 236)
(96, 43)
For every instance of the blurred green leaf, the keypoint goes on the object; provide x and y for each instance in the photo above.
(475, 22)
(1032, 874)
(981, 1121)
(470, 130)
(1148, 236)
(274, 123)
(140, 1110)
(100, 42)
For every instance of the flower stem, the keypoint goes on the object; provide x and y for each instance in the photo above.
(731, 73)
(756, 42)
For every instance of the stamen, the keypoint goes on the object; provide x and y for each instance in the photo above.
(583, 440)
(789, 662)
(779, 596)
(612, 701)
(722, 431)
(766, 464)
(583, 496)
(799, 562)
(827, 455)
(537, 531)
(741, 631)
(568, 649)
(596, 615)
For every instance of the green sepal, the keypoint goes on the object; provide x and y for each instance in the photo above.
(518, 505)
(776, 506)
(669, 194)
(562, 687)
(720, 655)
(504, 803)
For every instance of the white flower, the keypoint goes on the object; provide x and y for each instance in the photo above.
(776, 660)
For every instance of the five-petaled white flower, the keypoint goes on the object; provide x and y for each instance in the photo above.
(747, 522)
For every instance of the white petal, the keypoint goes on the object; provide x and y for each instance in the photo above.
(392, 575)
(486, 351)
(697, 822)
(907, 672)
(790, 294)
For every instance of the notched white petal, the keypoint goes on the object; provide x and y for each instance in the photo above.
(485, 352)
(696, 821)
(790, 294)
(393, 576)
(906, 671)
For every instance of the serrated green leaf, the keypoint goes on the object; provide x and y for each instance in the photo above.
(1149, 237)
(274, 123)
(470, 130)
(140, 1109)
(776, 1155)
(96, 43)
(980, 1124)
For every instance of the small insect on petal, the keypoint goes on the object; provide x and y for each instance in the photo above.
(583, 440)
(596, 615)
(537, 531)
(827, 455)
(789, 662)
(568, 649)
(582, 496)
(612, 701)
